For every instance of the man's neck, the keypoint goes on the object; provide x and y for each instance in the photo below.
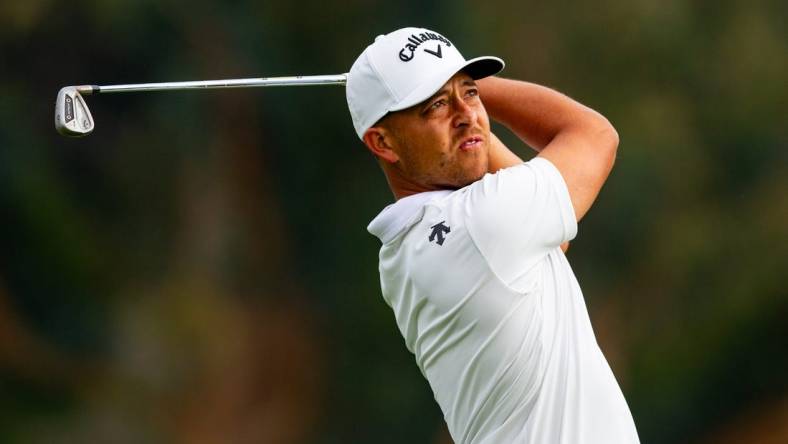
(403, 187)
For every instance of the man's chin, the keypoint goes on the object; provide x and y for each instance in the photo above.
(481, 170)
(471, 178)
(461, 178)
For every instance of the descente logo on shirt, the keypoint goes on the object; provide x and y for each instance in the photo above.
(438, 231)
(409, 50)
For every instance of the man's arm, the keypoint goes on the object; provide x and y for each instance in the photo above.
(502, 157)
(580, 142)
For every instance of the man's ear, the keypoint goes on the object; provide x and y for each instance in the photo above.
(378, 140)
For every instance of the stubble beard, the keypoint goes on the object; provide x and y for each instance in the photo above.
(475, 172)
(456, 170)
(460, 173)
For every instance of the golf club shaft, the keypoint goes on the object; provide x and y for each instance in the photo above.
(338, 79)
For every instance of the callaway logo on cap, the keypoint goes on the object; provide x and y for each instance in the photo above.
(404, 68)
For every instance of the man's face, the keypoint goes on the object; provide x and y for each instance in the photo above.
(444, 141)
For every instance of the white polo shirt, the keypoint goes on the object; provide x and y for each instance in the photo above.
(488, 304)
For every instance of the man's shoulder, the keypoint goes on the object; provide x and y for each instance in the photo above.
(487, 200)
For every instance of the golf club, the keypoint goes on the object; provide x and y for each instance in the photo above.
(73, 118)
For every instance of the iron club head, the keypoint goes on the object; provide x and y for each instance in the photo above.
(72, 116)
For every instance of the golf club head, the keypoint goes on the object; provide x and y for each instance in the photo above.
(72, 116)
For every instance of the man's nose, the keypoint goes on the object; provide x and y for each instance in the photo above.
(464, 114)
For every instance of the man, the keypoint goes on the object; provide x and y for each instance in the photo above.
(472, 261)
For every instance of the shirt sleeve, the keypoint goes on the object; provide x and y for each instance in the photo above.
(518, 215)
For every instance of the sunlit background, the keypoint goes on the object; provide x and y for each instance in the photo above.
(198, 269)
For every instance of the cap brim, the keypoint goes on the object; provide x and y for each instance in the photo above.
(477, 68)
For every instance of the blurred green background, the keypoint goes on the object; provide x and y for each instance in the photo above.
(198, 269)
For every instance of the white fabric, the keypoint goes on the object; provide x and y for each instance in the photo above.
(495, 317)
(403, 68)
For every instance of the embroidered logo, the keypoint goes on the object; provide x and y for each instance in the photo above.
(438, 231)
(437, 53)
(408, 51)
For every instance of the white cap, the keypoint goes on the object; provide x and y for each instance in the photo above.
(404, 68)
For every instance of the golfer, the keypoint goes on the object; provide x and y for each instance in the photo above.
(472, 258)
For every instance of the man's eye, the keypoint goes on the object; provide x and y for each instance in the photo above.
(438, 104)
(472, 92)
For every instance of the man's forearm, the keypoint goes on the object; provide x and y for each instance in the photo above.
(577, 140)
(536, 114)
(500, 156)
